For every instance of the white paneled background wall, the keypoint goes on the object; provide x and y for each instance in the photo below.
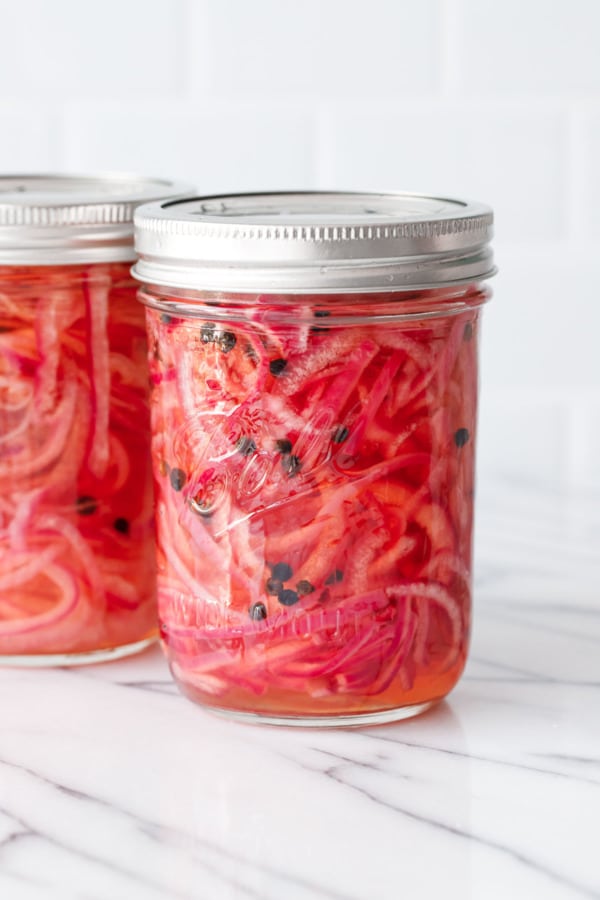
(496, 100)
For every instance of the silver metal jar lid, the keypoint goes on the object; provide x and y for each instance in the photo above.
(305, 242)
(70, 219)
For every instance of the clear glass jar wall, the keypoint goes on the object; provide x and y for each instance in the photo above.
(76, 518)
(314, 469)
(77, 567)
(313, 368)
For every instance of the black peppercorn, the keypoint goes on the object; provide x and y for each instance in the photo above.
(258, 612)
(273, 586)
(461, 437)
(305, 587)
(340, 434)
(227, 341)
(246, 446)
(207, 332)
(276, 366)
(291, 464)
(282, 571)
(177, 478)
(287, 597)
(335, 577)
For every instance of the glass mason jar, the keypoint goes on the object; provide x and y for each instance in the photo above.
(77, 579)
(313, 365)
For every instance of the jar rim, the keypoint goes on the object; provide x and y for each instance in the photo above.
(339, 309)
(313, 242)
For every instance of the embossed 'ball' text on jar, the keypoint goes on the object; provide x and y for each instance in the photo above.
(77, 581)
(313, 367)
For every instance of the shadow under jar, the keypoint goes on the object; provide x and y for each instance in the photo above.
(77, 580)
(313, 363)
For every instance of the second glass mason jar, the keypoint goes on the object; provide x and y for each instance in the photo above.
(313, 364)
(77, 580)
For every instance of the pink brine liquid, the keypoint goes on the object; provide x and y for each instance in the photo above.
(314, 468)
(76, 523)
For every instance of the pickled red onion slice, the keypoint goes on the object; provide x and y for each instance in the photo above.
(362, 500)
(75, 491)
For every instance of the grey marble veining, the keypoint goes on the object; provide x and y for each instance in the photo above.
(114, 787)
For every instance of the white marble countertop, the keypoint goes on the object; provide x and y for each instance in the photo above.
(114, 787)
